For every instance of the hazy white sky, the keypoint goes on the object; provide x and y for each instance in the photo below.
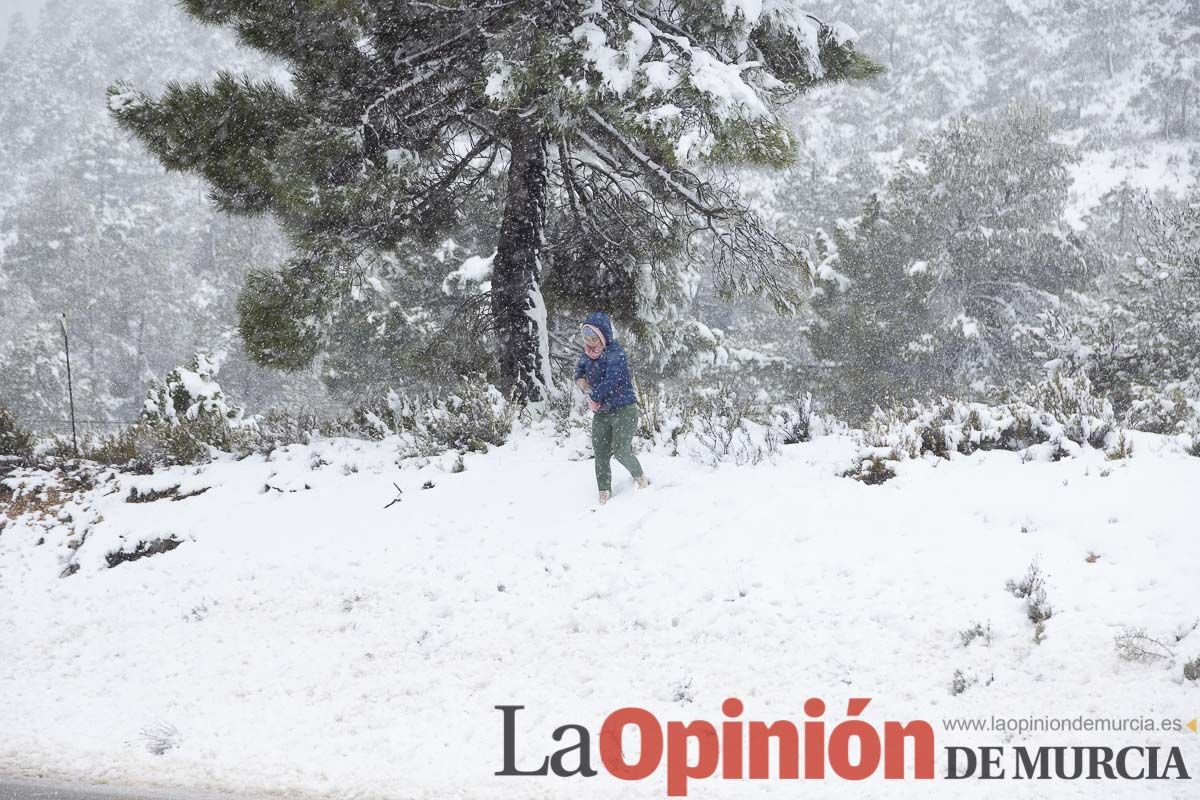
(9, 7)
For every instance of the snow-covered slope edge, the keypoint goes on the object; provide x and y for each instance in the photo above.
(307, 637)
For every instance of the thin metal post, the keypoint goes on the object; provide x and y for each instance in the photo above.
(70, 388)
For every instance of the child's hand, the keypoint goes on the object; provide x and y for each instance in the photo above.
(593, 405)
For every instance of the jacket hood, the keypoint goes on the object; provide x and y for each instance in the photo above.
(600, 320)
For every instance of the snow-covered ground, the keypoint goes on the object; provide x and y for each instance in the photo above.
(304, 639)
(1166, 166)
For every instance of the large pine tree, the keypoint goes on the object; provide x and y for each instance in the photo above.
(597, 119)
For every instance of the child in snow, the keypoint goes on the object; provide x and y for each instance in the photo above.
(602, 373)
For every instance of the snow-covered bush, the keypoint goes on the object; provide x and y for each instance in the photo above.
(1081, 416)
(1171, 409)
(661, 422)
(720, 424)
(189, 392)
(280, 428)
(185, 417)
(947, 425)
(15, 441)
(803, 421)
(874, 469)
(1095, 336)
(149, 444)
(472, 417)
(795, 424)
(725, 427)
(264, 433)
(1057, 416)
(1191, 670)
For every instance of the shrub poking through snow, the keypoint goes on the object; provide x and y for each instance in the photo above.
(1191, 670)
(1121, 448)
(976, 631)
(683, 693)
(1032, 589)
(152, 495)
(804, 421)
(198, 612)
(796, 424)
(874, 469)
(1134, 644)
(160, 738)
(15, 441)
(960, 682)
(723, 426)
(143, 550)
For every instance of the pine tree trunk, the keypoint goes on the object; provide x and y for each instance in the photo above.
(516, 269)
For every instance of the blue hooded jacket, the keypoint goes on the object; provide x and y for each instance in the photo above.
(608, 376)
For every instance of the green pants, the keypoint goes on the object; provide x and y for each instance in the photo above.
(612, 435)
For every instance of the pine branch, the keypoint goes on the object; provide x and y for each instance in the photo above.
(690, 197)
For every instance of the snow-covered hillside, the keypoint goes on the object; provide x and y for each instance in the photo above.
(310, 635)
